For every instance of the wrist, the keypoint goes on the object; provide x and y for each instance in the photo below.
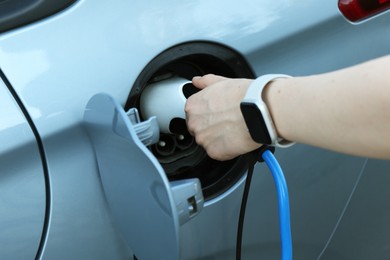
(257, 115)
(276, 95)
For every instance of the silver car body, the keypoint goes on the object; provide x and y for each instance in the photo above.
(52, 201)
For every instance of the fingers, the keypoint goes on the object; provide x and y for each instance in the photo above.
(209, 79)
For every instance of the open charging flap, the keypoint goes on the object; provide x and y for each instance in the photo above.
(147, 209)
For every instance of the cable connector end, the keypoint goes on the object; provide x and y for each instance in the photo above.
(256, 155)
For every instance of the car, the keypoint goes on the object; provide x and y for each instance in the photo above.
(85, 175)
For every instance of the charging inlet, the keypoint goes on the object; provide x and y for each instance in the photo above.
(162, 89)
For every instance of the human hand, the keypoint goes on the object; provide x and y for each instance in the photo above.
(214, 117)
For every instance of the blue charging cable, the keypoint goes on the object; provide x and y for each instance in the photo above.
(283, 202)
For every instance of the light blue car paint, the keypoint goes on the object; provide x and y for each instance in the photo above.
(22, 185)
(56, 65)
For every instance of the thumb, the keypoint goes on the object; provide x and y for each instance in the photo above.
(207, 80)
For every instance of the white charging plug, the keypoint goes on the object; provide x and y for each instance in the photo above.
(166, 100)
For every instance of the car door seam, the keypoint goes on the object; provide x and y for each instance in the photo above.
(43, 160)
(344, 209)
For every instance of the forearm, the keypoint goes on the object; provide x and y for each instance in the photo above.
(347, 110)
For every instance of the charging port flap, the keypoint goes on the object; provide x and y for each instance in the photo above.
(146, 208)
(188, 197)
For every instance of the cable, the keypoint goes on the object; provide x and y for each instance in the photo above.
(283, 202)
(242, 210)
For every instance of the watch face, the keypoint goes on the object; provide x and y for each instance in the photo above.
(255, 122)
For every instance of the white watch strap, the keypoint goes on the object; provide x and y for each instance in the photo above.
(254, 95)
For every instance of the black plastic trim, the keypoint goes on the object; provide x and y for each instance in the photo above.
(189, 90)
(43, 159)
(14, 14)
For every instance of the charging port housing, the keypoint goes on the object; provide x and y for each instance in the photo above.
(179, 154)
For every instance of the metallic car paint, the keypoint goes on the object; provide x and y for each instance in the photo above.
(57, 64)
(22, 185)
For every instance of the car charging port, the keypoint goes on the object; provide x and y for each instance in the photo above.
(177, 150)
(165, 147)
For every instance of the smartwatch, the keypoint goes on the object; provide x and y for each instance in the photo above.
(256, 114)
